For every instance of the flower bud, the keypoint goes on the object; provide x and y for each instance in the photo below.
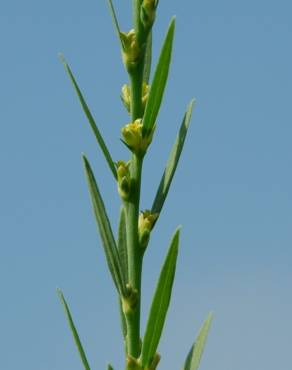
(148, 12)
(130, 50)
(126, 96)
(134, 139)
(145, 225)
(124, 179)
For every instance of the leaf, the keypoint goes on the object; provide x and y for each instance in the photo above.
(115, 21)
(74, 330)
(122, 243)
(105, 230)
(91, 120)
(195, 354)
(159, 81)
(109, 367)
(160, 304)
(172, 162)
(148, 59)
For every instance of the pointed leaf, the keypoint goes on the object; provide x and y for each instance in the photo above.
(74, 331)
(148, 59)
(194, 357)
(159, 81)
(122, 243)
(105, 230)
(91, 121)
(115, 21)
(160, 304)
(172, 162)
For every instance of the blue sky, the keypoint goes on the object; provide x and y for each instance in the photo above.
(231, 193)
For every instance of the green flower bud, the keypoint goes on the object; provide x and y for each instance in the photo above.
(134, 139)
(130, 50)
(126, 96)
(145, 225)
(148, 12)
(124, 179)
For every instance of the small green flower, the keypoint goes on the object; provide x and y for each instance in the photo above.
(145, 225)
(131, 49)
(134, 138)
(124, 179)
(126, 95)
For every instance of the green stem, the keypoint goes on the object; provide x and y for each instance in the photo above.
(134, 259)
(136, 14)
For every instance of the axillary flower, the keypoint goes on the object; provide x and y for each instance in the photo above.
(145, 225)
(134, 138)
(124, 179)
(130, 50)
(126, 95)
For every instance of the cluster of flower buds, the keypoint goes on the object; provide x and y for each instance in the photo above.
(148, 12)
(134, 138)
(145, 225)
(124, 179)
(130, 50)
(126, 96)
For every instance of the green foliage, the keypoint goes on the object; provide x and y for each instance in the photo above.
(124, 254)
(195, 354)
(160, 304)
(172, 162)
(159, 81)
(74, 331)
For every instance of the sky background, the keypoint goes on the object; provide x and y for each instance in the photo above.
(232, 190)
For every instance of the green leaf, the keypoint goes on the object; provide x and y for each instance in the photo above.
(109, 367)
(115, 21)
(74, 330)
(195, 354)
(122, 249)
(160, 304)
(159, 81)
(105, 230)
(172, 162)
(91, 121)
(122, 243)
(148, 59)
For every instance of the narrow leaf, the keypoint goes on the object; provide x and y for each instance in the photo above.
(160, 304)
(148, 59)
(159, 81)
(91, 120)
(172, 162)
(194, 356)
(115, 21)
(122, 243)
(122, 249)
(74, 331)
(105, 230)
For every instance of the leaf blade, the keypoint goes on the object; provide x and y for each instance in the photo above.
(74, 330)
(90, 118)
(115, 21)
(105, 230)
(172, 162)
(160, 303)
(122, 242)
(195, 354)
(148, 59)
(159, 81)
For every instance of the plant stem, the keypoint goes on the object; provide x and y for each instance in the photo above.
(135, 255)
(134, 259)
